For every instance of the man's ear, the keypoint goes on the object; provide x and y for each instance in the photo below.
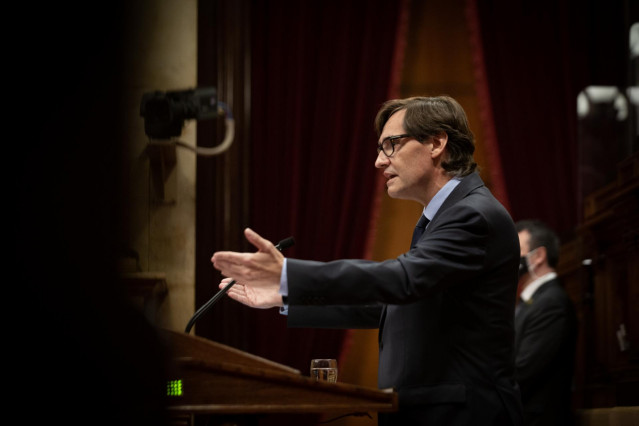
(542, 255)
(439, 144)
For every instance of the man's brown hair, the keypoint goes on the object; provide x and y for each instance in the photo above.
(430, 116)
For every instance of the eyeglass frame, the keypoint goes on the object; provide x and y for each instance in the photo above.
(392, 139)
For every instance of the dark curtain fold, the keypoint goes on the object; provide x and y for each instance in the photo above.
(320, 71)
(539, 55)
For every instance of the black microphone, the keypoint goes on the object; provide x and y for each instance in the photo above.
(285, 243)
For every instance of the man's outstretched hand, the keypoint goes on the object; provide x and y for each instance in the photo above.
(254, 297)
(257, 274)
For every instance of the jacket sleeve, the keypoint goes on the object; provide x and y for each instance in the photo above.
(452, 251)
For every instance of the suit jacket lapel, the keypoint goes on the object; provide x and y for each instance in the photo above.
(467, 184)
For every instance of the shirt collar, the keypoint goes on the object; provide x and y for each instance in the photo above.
(431, 209)
(526, 294)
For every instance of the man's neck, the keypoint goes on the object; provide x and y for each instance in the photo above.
(436, 202)
(439, 181)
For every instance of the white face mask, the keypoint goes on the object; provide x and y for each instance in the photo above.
(530, 266)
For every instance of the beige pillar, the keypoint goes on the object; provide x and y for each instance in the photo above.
(161, 55)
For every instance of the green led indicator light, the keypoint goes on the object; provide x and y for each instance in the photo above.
(174, 388)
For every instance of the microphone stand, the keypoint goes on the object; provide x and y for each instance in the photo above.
(285, 243)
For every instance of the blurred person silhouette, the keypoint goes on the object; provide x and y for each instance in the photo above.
(545, 329)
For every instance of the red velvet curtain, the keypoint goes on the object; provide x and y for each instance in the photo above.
(321, 70)
(538, 56)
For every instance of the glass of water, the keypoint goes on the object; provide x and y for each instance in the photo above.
(324, 370)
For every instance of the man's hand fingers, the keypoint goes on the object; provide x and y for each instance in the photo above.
(238, 293)
(260, 269)
(231, 264)
(238, 296)
(262, 244)
(236, 288)
(230, 257)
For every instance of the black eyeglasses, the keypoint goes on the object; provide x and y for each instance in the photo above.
(388, 144)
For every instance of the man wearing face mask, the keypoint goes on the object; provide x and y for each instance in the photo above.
(545, 330)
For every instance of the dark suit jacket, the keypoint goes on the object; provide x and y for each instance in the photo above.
(445, 311)
(545, 339)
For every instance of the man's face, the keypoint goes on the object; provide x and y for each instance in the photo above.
(409, 170)
(524, 243)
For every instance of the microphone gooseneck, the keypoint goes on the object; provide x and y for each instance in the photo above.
(285, 243)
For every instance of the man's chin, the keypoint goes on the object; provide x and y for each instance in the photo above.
(393, 193)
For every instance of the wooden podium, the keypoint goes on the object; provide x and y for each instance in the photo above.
(210, 378)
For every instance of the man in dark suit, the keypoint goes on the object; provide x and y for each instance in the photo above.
(445, 308)
(545, 330)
